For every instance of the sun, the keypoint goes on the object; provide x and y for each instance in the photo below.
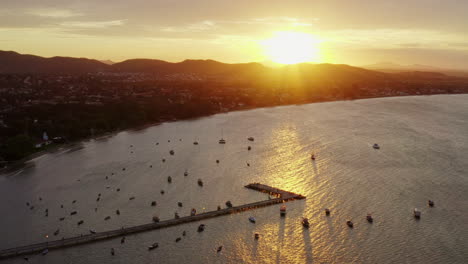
(290, 47)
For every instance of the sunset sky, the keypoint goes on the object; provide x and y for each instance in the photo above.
(357, 32)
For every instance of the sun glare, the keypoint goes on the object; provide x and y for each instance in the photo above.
(290, 47)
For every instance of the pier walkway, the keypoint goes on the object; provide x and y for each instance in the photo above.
(282, 196)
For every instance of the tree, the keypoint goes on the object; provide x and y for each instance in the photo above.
(18, 147)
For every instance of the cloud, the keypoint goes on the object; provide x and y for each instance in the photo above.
(92, 24)
(53, 13)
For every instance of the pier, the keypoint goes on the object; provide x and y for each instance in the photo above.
(282, 196)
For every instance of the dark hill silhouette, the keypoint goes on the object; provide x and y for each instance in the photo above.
(12, 62)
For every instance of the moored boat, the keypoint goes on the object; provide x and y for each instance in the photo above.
(201, 228)
(250, 139)
(228, 204)
(327, 211)
(252, 219)
(376, 146)
(430, 203)
(305, 222)
(369, 218)
(200, 182)
(350, 224)
(283, 210)
(222, 141)
(153, 246)
(416, 213)
(193, 212)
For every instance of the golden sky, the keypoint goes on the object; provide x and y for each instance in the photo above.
(356, 32)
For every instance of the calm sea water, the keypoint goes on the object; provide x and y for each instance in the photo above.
(423, 155)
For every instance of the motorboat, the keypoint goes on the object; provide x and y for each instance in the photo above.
(312, 156)
(201, 228)
(283, 210)
(369, 218)
(153, 203)
(200, 182)
(169, 179)
(112, 251)
(219, 249)
(153, 246)
(327, 211)
(155, 219)
(92, 231)
(416, 213)
(45, 251)
(73, 213)
(176, 215)
(350, 224)
(179, 204)
(256, 236)
(107, 218)
(186, 173)
(249, 148)
(250, 139)
(171, 152)
(222, 141)
(252, 219)
(228, 204)
(430, 203)
(305, 222)
(376, 146)
(80, 222)
(193, 212)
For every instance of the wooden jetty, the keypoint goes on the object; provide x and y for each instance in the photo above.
(282, 196)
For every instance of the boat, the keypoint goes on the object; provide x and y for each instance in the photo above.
(249, 148)
(250, 139)
(179, 204)
(62, 218)
(153, 203)
(186, 173)
(283, 210)
(122, 240)
(200, 182)
(312, 156)
(228, 204)
(201, 228)
(369, 218)
(193, 212)
(430, 203)
(169, 179)
(252, 219)
(107, 218)
(222, 141)
(131, 198)
(56, 232)
(350, 224)
(376, 146)
(92, 231)
(256, 236)
(45, 251)
(305, 222)
(219, 249)
(416, 213)
(155, 219)
(171, 152)
(176, 215)
(195, 143)
(80, 222)
(153, 246)
(178, 239)
(117, 212)
(73, 213)
(327, 211)
(112, 251)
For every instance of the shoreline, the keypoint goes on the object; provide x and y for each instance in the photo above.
(18, 164)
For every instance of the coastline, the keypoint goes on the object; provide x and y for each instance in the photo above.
(18, 164)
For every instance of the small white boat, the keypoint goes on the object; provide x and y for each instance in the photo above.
(153, 246)
(376, 146)
(92, 231)
(252, 219)
(417, 213)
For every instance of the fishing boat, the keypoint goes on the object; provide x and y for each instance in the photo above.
(305, 222)
(252, 219)
(416, 213)
(250, 139)
(312, 156)
(376, 146)
(283, 210)
(256, 236)
(200, 182)
(153, 246)
(350, 224)
(222, 141)
(430, 203)
(369, 218)
(327, 211)
(169, 179)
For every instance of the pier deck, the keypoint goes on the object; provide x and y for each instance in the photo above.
(282, 196)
